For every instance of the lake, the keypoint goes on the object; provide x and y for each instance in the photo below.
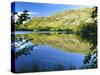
(40, 51)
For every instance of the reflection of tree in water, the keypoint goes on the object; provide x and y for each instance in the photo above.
(56, 67)
(22, 46)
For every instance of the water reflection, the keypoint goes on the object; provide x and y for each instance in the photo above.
(36, 52)
(65, 42)
(22, 46)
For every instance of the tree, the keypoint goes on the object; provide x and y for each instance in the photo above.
(88, 32)
(23, 17)
(13, 21)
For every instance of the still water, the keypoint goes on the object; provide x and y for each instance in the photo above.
(48, 52)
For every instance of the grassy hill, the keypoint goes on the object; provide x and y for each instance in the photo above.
(68, 19)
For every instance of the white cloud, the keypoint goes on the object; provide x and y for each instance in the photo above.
(33, 13)
(28, 13)
(16, 17)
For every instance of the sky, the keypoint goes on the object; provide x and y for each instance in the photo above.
(42, 9)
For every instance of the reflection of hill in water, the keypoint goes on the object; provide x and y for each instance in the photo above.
(47, 58)
(43, 52)
(66, 42)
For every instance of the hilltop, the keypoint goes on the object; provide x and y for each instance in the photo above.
(68, 19)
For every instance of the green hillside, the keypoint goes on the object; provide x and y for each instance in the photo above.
(69, 19)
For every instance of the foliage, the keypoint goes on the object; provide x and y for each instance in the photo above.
(23, 17)
(88, 32)
(13, 21)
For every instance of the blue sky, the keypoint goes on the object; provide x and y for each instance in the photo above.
(43, 9)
